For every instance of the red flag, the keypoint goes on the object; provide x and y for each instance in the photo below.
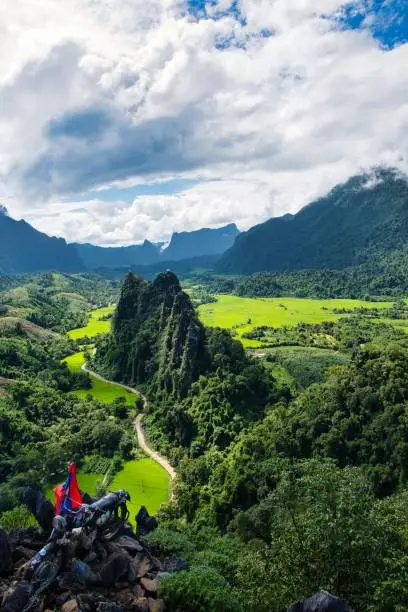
(67, 495)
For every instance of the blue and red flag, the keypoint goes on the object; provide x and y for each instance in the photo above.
(67, 495)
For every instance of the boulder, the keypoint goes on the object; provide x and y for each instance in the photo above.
(149, 585)
(17, 599)
(129, 544)
(109, 606)
(70, 606)
(144, 522)
(321, 602)
(28, 537)
(6, 559)
(141, 604)
(39, 505)
(142, 565)
(156, 605)
(21, 552)
(116, 567)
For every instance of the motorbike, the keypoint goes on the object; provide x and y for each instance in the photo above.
(103, 520)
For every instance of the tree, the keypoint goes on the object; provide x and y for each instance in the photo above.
(324, 533)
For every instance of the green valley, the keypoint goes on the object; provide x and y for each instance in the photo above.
(146, 481)
(204, 306)
(242, 315)
(285, 418)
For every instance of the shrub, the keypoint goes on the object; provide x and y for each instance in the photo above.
(17, 518)
(165, 540)
(201, 589)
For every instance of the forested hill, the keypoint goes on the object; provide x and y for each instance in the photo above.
(263, 462)
(156, 336)
(24, 249)
(356, 222)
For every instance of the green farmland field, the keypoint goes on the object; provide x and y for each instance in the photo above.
(94, 326)
(101, 391)
(146, 481)
(243, 314)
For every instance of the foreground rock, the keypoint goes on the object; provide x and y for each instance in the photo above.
(121, 575)
(321, 602)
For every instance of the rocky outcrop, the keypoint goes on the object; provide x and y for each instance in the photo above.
(6, 562)
(321, 602)
(156, 338)
(116, 576)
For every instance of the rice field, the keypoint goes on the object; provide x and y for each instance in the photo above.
(146, 482)
(101, 391)
(241, 315)
(94, 326)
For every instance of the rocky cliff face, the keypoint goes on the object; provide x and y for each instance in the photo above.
(156, 336)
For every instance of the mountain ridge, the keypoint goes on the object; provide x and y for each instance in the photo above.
(338, 230)
(25, 249)
(206, 241)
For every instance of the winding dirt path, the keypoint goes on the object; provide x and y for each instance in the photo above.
(141, 438)
(149, 451)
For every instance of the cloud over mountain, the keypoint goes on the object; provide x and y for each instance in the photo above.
(265, 104)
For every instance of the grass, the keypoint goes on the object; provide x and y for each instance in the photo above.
(95, 326)
(146, 481)
(101, 391)
(243, 314)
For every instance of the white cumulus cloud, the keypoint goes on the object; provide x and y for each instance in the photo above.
(95, 94)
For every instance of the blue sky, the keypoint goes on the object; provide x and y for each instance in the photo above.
(202, 9)
(156, 117)
(387, 21)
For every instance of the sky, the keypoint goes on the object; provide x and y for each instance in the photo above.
(122, 120)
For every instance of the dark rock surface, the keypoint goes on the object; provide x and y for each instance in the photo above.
(321, 602)
(116, 576)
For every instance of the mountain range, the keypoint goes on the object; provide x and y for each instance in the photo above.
(358, 221)
(25, 249)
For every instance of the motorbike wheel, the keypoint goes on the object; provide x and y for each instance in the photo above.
(112, 530)
(42, 580)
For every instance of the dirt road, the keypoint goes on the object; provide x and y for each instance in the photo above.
(141, 438)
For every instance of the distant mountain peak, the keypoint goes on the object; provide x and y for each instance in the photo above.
(205, 241)
(3, 210)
